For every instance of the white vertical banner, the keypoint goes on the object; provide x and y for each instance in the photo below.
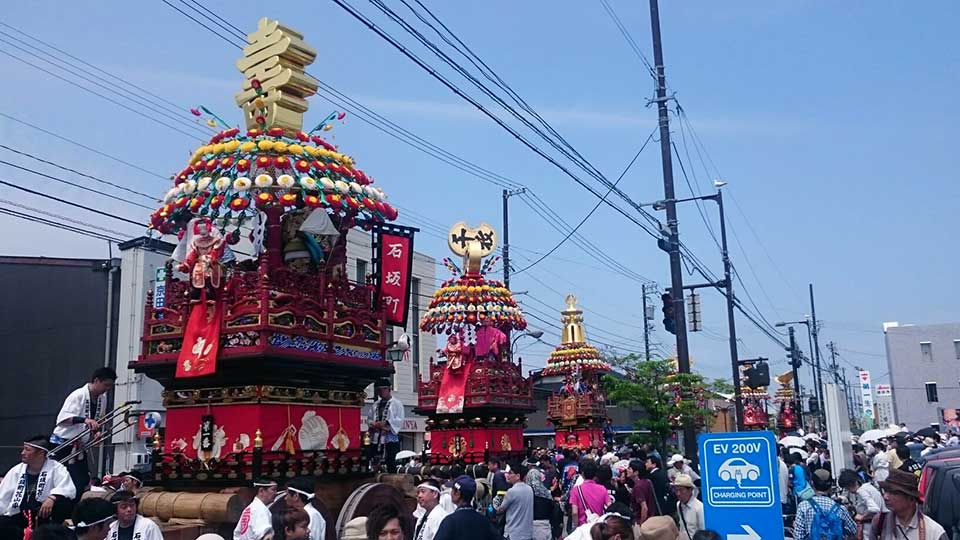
(838, 428)
(866, 391)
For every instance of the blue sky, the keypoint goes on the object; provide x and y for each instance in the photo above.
(833, 123)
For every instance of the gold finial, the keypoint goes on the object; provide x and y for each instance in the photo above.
(572, 318)
(473, 244)
(276, 57)
(258, 439)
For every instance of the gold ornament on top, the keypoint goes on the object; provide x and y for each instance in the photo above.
(277, 58)
(572, 318)
(473, 244)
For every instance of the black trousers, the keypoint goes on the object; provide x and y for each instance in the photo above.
(390, 455)
(11, 527)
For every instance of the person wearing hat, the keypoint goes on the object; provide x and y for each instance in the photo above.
(92, 518)
(867, 500)
(677, 465)
(300, 495)
(689, 508)
(130, 524)
(387, 421)
(929, 443)
(822, 508)
(255, 520)
(465, 523)
(37, 490)
(905, 521)
(428, 497)
(131, 481)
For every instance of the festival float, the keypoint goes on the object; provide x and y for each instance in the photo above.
(578, 411)
(788, 419)
(265, 361)
(755, 400)
(476, 397)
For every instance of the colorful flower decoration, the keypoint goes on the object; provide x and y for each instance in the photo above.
(570, 356)
(472, 300)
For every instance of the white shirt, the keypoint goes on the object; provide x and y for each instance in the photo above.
(691, 518)
(318, 525)
(393, 414)
(868, 500)
(434, 518)
(143, 529)
(784, 476)
(78, 403)
(53, 479)
(672, 473)
(254, 522)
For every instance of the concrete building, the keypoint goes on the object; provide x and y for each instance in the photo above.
(924, 362)
(139, 261)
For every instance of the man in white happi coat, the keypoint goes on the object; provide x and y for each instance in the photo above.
(428, 497)
(80, 412)
(300, 495)
(130, 525)
(37, 490)
(387, 422)
(255, 521)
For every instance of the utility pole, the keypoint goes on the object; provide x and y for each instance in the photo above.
(795, 363)
(832, 347)
(506, 232)
(818, 391)
(731, 323)
(673, 232)
(646, 326)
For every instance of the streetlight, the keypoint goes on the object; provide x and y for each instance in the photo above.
(535, 334)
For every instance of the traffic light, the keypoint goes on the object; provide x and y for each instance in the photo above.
(757, 375)
(668, 323)
(795, 358)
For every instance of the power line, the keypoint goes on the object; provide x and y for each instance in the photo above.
(51, 223)
(98, 94)
(60, 216)
(74, 184)
(629, 38)
(78, 173)
(592, 210)
(85, 147)
(70, 203)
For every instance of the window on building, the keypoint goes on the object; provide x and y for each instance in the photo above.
(932, 392)
(414, 322)
(361, 271)
(956, 348)
(926, 351)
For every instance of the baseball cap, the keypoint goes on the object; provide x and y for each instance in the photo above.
(466, 486)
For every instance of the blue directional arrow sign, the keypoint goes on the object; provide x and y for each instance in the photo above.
(740, 483)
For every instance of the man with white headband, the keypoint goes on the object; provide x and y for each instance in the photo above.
(130, 525)
(300, 495)
(428, 496)
(255, 520)
(92, 518)
(37, 490)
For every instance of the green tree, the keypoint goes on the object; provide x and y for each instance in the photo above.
(668, 398)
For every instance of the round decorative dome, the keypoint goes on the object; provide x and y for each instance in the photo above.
(472, 300)
(574, 353)
(239, 173)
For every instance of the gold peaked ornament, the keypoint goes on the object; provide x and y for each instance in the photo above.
(785, 379)
(572, 318)
(276, 58)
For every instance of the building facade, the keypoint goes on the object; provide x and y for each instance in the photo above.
(140, 258)
(924, 362)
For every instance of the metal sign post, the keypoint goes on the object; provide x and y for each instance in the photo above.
(740, 482)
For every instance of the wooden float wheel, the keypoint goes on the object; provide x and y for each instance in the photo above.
(367, 497)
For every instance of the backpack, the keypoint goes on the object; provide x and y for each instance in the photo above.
(827, 525)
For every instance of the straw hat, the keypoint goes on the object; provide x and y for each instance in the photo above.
(659, 528)
(683, 480)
